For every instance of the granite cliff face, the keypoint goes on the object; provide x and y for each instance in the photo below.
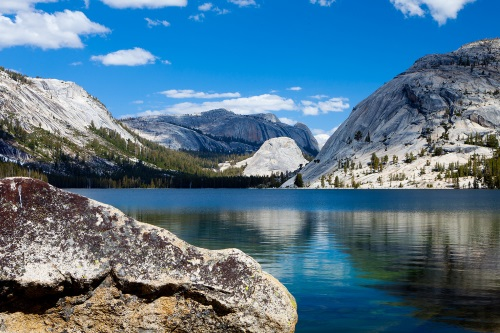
(70, 264)
(432, 107)
(45, 120)
(220, 131)
(59, 107)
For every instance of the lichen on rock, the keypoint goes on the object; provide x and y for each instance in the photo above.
(68, 263)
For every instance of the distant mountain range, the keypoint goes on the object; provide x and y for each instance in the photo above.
(434, 125)
(220, 131)
(57, 131)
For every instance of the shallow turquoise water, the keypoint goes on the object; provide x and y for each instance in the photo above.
(356, 261)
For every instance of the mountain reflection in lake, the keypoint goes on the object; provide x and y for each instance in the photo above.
(357, 261)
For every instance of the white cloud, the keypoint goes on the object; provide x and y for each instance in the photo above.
(441, 10)
(288, 121)
(47, 31)
(145, 3)
(207, 6)
(245, 105)
(322, 136)
(294, 88)
(16, 6)
(243, 3)
(166, 62)
(198, 17)
(323, 3)
(87, 3)
(132, 57)
(76, 63)
(174, 93)
(336, 104)
(155, 23)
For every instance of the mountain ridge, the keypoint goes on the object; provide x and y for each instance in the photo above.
(427, 112)
(56, 131)
(221, 131)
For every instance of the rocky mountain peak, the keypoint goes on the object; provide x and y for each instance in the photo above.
(430, 108)
(267, 117)
(218, 113)
(221, 130)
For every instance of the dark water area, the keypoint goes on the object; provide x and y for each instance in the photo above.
(356, 261)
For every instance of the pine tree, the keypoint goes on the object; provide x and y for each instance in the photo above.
(298, 180)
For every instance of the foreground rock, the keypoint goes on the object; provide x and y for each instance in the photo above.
(72, 264)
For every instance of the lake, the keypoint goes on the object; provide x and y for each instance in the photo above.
(356, 260)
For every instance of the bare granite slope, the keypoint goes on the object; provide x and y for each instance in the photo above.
(433, 105)
(57, 106)
(70, 264)
(277, 155)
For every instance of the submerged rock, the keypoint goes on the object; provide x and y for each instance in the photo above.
(68, 263)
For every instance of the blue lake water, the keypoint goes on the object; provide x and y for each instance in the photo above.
(356, 261)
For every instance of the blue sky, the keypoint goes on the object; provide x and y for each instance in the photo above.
(304, 60)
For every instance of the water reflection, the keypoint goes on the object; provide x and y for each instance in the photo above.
(443, 264)
(357, 261)
(446, 265)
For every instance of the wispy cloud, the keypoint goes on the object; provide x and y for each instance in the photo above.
(132, 57)
(243, 3)
(156, 23)
(319, 96)
(47, 31)
(121, 4)
(207, 6)
(323, 3)
(138, 102)
(76, 63)
(188, 93)
(441, 10)
(244, 105)
(294, 88)
(336, 104)
(197, 17)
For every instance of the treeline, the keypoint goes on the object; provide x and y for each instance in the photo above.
(485, 172)
(139, 175)
(21, 78)
(180, 181)
(9, 169)
(476, 139)
(115, 162)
